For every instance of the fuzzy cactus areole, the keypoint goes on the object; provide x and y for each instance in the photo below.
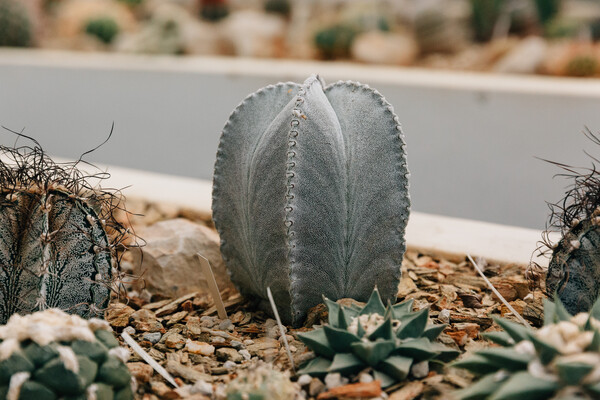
(393, 341)
(561, 360)
(310, 194)
(58, 236)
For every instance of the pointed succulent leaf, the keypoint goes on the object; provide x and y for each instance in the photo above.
(333, 310)
(446, 354)
(545, 351)
(372, 353)
(342, 320)
(309, 182)
(340, 339)
(346, 363)
(402, 308)
(383, 331)
(523, 385)
(549, 312)
(560, 310)
(595, 310)
(374, 305)
(516, 331)
(397, 367)
(480, 390)
(508, 359)
(317, 341)
(432, 332)
(594, 389)
(572, 373)
(499, 337)
(420, 349)
(385, 379)
(316, 367)
(477, 365)
(595, 344)
(413, 324)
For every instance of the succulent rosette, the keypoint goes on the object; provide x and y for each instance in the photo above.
(561, 360)
(393, 341)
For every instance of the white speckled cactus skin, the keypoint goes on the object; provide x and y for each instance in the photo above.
(310, 194)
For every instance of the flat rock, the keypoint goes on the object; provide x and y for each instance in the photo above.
(169, 264)
(118, 315)
(141, 371)
(229, 354)
(261, 344)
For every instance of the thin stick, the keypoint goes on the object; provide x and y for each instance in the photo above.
(212, 286)
(506, 303)
(146, 357)
(281, 330)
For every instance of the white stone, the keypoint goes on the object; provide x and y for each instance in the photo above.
(229, 364)
(525, 58)
(202, 387)
(333, 380)
(378, 47)
(444, 316)
(304, 380)
(245, 353)
(202, 348)
(130, 330)
(365, 378)
(170, 266)
(254, 34)
(420, 369)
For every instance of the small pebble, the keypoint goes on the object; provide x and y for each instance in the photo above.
(199, 348)
(303, 380)
(226, 325)
(420, 369)
(229, 364)
(236, 344)
(365, 378)
(315, 387)
(202, 387)
(248, 342)
(444, 316)
(217, 339)
(153, 337)
(207, 322)
(130, 330)
(245, 353)
(333, 380)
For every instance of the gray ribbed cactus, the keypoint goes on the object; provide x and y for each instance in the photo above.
(574, 271)
(54, 248)
(310, 194)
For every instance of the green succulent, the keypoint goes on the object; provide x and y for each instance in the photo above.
(336, 41)
(104, 28)
(15, 24)
(50, 354)
(213, 10)
(561, 360)
(262, 383)
(547, 9)
(391, 340)
(484, 15)
(582, 66)
(282, 7)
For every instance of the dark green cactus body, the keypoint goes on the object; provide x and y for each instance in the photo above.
(15, 25)
(484, 15)
(54, 254)
(574, 271)
(104, 28)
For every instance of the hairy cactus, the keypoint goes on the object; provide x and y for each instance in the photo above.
(50, 355)
(394, 341)
(262, 382)
(55, 251)
(103, 28)
(310, 194)
(574, 270)
(559, 361)
(15, 25)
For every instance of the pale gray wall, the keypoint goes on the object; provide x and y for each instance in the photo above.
(470, 151)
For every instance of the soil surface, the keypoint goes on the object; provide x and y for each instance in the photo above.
(203, 353)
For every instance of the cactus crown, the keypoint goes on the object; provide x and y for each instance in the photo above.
(561, 359)
(392, 340)
(310, 194)
(59, 235)
(51, 354)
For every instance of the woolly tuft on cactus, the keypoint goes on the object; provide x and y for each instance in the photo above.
(262, 382)
(574, 270)
(310, 195)
(59, 236)
(50, 355)
(559, 361)
(394, 341)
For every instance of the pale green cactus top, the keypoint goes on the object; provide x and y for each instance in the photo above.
(310, 194)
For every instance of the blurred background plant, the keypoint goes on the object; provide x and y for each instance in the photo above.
(556, 37)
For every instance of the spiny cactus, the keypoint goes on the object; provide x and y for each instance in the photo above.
(262, 382)
(54, 250)
(394, 341)
(336, 41)
(104, 28)
(50, 354)
(484, 15)
(559, 361)
(574, 270)
(582, 65)
(15, 25)
(310, 194)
